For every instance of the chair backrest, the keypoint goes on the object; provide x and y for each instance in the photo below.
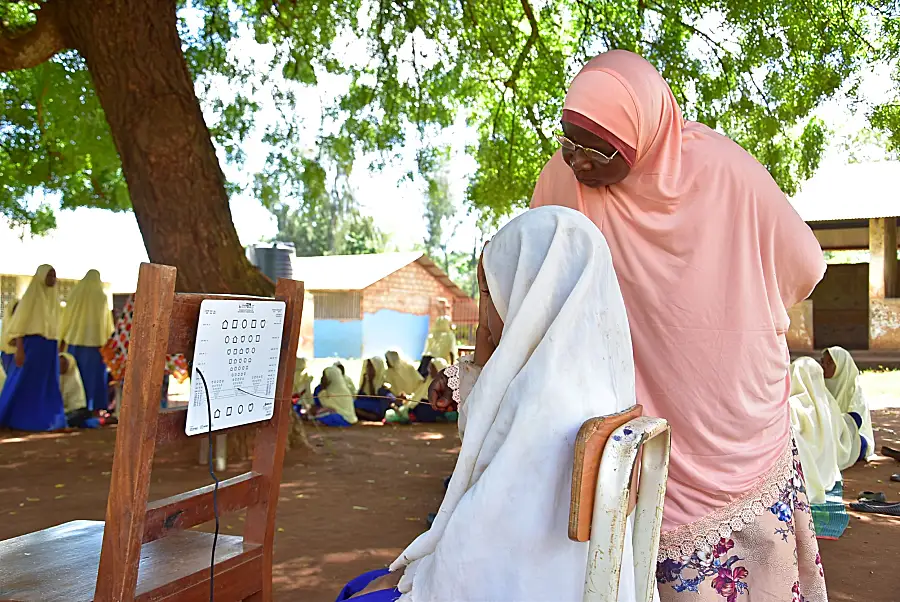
(605, 489)
(589, 445)
(166, 322)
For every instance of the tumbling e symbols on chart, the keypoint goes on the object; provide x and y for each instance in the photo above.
(238, 349)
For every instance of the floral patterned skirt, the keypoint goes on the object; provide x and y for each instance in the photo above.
(761, 548)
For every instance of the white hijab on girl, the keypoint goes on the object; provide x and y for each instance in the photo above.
(565, 356)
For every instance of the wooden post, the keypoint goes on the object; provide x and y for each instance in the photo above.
(136, 436)
(271, 437)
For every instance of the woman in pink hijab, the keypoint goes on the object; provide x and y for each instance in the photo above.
(709, 255)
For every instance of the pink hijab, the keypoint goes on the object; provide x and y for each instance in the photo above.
(709, 254)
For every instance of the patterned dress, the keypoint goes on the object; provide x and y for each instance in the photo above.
(115, 352)
(761, 547)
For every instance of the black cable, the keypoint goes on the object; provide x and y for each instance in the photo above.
(212, 473)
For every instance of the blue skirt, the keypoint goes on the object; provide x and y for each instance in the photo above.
(31, 399)
(93, 375)
(6, 360)
(377, 404)
(332, 420)
(358, 584)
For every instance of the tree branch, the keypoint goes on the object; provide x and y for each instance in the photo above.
(37, 45)
(529, 43)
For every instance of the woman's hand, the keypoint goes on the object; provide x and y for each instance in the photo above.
(440, 395)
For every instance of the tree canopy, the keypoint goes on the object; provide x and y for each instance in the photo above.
(754, 69)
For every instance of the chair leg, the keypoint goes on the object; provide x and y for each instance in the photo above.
(204, 451)
(221, 452)
(649, 511)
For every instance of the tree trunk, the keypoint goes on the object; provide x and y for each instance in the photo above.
(177, 189)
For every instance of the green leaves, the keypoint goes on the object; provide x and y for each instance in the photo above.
(54, 137)
(754, 69)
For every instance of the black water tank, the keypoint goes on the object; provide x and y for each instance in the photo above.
(273, 259)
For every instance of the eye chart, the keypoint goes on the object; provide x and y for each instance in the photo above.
(237, 350)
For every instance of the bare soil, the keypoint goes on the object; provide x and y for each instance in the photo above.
(363, 496)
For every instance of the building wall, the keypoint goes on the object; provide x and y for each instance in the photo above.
(841, 307)
(337, 338)
(800, 334)
(386, 330)
(411, 290)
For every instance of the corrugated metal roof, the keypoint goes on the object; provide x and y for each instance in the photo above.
(356, 272)
(856, 191)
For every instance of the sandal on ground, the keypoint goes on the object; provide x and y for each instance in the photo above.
(895, 478)
(890, 452)
(892, 509)
(871, 496)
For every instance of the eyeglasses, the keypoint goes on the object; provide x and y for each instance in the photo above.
(592, 154)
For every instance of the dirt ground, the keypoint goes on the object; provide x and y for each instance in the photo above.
(355, 503)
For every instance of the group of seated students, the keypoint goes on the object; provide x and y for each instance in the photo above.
(53, 375)
(390, 390)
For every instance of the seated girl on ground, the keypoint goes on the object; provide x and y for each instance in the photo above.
(351, 386)
(418, 408)
(402, 375)
(374, 398)
(550, 305)
(78, 414)
(843, 380)
(334, 402)
(302, 393)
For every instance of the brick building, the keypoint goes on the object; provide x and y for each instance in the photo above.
(367, 304)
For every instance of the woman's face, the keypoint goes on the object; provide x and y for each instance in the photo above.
(492, 320)
(370, 370)
(828, 365)
(324, 382)
(591, 172)
(50, 280)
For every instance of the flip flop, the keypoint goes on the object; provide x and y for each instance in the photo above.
(895, 478)
(892, 509)
(871, 496)
(890, 452)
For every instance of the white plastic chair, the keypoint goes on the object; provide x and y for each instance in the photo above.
(601, 496)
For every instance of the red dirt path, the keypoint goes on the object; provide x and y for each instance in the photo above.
(355, 504)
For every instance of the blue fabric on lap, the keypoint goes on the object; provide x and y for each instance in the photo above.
(358, 584)
(332, 420)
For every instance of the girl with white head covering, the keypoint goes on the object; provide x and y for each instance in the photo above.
(417, 408)
(374, 398)
(31, 399)
(335, 400)
(403, 376)
(826, 438)
(85, 328)
(71, 384)
(303, 384)
(842, 379)
(501, 532)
